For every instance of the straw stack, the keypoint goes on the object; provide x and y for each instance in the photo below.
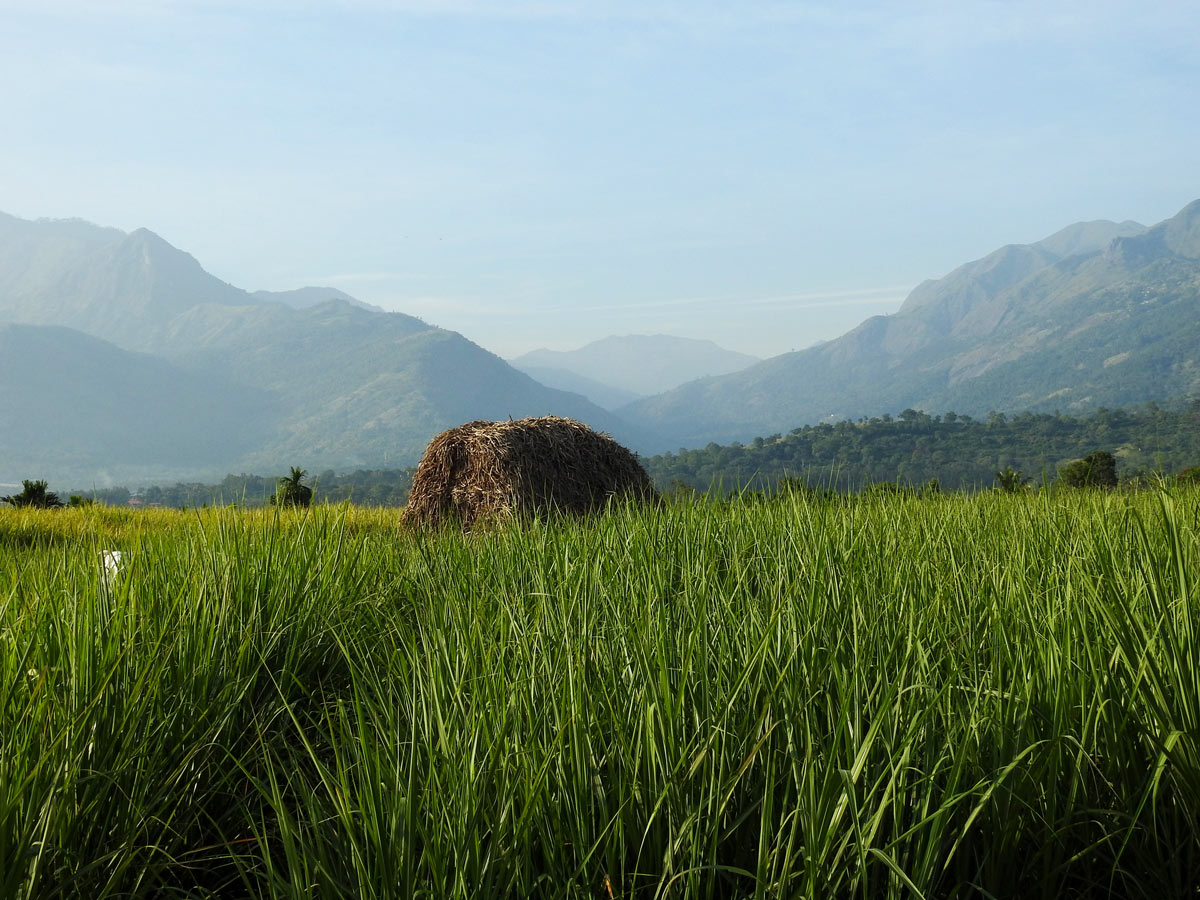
(490, 471)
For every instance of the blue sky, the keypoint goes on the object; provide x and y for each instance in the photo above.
(763, 174)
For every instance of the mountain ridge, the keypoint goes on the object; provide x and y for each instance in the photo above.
(331, 384)
(311, 295)
(987, 336)
(1098, 313)
(116, 286)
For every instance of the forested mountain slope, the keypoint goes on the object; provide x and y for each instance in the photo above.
(958, 451)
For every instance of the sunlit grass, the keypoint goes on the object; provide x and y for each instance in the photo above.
(945, 697)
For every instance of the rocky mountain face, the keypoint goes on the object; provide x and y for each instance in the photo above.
(121, 357)
(1100, 313)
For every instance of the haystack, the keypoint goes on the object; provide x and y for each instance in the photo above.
(489, 471)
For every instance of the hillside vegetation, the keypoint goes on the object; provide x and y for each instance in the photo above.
(912, 450)
(946, 697)
(956, 451)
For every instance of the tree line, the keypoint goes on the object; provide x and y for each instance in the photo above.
(364, 487)
(913, 451)
(954, 451)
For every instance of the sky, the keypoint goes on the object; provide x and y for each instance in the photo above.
(541, 173)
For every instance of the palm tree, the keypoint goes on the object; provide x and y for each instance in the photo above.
(1011, 481)
(35, 494)
(290, 491)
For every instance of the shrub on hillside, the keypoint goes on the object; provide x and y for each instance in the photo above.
(1010, 480)
(1097, 469)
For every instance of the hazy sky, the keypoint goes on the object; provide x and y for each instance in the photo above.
(544, 173)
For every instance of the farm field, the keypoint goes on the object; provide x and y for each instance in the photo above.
(883, 697)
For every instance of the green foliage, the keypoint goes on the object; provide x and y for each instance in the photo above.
(291, 491)
(364, 487)
(1189, 475)
(795, 486)
(679, 492)
(1097, 469)
(888, 488)
(914, 449)
(947, 697)
(958, 451)
(1010, 480)
(34, 494)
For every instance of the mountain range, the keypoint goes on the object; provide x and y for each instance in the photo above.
(1098, 314)
(123, 360)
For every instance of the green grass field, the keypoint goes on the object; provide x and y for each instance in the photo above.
(951, 697)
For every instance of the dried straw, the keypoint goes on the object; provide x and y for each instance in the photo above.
(489, 471)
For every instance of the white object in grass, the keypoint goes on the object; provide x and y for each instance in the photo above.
(110, 567)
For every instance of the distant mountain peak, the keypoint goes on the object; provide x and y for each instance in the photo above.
(120, 287)
(957, 293)
(302, 298)
(1177, 236)
(153, 248)
(1191, 211)
(640, 364)
(1088, 237)
(1182, 232)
